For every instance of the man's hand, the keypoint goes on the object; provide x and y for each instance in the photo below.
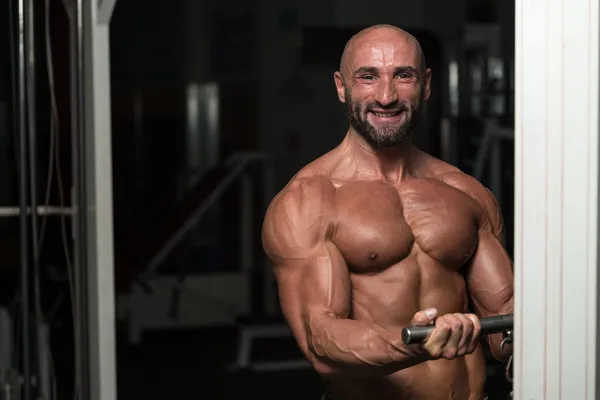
(454, 335)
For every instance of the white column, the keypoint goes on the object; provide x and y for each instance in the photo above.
(556, 194)
(100, 260)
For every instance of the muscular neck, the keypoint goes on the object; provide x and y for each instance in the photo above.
(389, 163)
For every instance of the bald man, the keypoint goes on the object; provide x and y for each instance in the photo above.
(377, 235)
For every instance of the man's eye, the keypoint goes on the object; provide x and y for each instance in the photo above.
(404, 76)
(368, 77)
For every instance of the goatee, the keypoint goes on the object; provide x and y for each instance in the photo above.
(389, 135)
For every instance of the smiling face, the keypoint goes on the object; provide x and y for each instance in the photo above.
(383, 81)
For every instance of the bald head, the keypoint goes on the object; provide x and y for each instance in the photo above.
(376, 36)
(384, 83)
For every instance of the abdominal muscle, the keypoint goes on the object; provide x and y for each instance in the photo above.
(459, 379)
(411, 287)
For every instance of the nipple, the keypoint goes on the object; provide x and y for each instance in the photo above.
(372, 255)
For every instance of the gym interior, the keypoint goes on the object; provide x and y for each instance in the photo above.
(200, 112)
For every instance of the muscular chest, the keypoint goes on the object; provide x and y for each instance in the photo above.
(378, 225)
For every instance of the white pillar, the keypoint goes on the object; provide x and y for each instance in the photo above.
(100, 259)
(556, 194)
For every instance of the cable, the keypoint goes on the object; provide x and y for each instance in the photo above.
(18, 91)
(14, 78)
(23, 203)
(79, 172)
(32, 159)
(54, 389)
(54, 161)
(53, 123)
(15, 131)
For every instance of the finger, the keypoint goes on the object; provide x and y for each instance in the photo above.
(438, 339)
(476, 332)
(456, 333)
(424, 317)
(464, 345)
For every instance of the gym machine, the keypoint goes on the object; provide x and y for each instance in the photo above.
(89, 215)
(479, 106)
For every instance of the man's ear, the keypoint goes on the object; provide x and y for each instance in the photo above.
(427, 86)
(339, 86)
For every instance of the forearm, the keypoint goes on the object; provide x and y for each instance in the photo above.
(501, 353)
(358, 349)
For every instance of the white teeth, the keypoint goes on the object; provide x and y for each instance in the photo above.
(386, 115)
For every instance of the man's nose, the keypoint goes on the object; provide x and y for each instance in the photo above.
(386, 94)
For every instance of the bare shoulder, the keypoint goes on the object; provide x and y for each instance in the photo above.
(304, 194)
(308, 189)
(297, 217)
(431, 167)
(491, 216)
(303, 205)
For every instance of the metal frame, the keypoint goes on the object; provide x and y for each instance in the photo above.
(489, 154)
(41, 211)
(270, 290)
(202, 301)
(105, 11)
(246, 233)
(92, 215)
(155, 290)
(21, 53)
(8, 363)
(96, 210)
(249, 333)
(556, 199)
(238, 163)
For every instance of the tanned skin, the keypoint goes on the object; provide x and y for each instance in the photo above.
(377, 235)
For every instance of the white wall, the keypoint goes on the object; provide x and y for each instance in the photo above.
(556, 193)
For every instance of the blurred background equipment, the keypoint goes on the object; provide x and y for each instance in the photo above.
(62, 225)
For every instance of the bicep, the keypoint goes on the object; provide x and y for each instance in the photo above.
(489, 272)
(490, 277)
(311, 274)
(313, 287)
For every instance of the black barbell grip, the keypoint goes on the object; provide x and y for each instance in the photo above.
(489, 325)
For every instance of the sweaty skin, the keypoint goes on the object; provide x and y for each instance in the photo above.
(369, 234)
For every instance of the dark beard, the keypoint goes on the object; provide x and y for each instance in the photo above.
(387, 136)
